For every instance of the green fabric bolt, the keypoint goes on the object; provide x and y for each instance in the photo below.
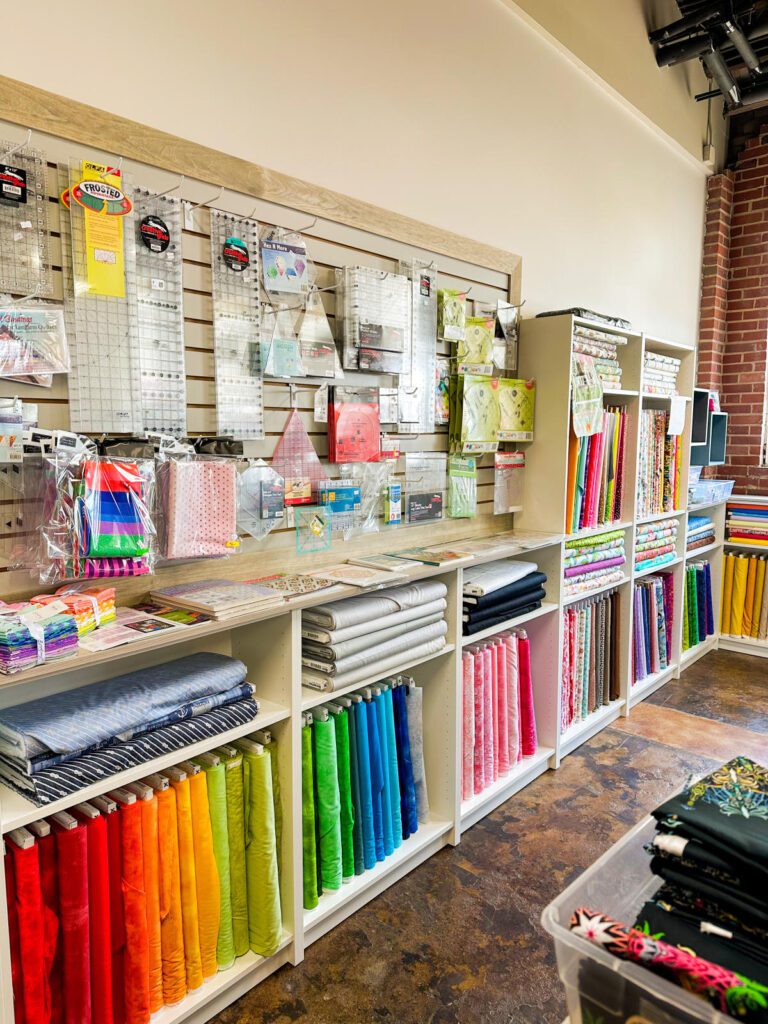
(328, 805)
(357, 827)
(693, 609)
(265, 926)
(233, 767)
(217, 804)
(347, 815)
(308, 820)
(275, 765)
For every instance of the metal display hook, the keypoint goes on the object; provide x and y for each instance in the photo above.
(207, 202)
(15, 149)
(26, 298)
(118, 170)
(173, 188)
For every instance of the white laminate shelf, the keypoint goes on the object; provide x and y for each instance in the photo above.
(648, 397)
(746, 546)
(547, 608)
(17, 811)
(651, 684)
(594, 531)
(619, 393)
(580, 732)
(661, 567)
(687, 658)
(701, 505)
(524, 772)
(705, 550)
(574, 598)
(312, 698)
(743, 645)
(659, 517)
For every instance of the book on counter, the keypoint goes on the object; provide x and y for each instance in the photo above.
(292, 584)
(362, 576)
(392, 563)
(217, 598)
(435, 556)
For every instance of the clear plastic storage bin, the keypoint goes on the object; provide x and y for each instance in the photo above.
(710, 490)
(598, 986)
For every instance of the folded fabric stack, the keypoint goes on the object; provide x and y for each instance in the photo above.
(198, 498)
(58, 745)
(91, 607)
(498, 591)
(591, 653)
(113, 526)
(747, 521)
(744, 610)
(699, 533)
(604, 348)
(660, 374)
(655, 543)
(698, 616)
(136, 898)
(711, 852)
(498, 715)
(596, 474)
(659, 464)
(364, 789)
(346, 642)
(593, 562)
(24, 645)
(653, 623)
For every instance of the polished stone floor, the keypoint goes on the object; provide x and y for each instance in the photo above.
(459, 940)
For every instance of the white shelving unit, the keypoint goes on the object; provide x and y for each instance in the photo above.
(738, 644)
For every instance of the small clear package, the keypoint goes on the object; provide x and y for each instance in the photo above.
(508, 482)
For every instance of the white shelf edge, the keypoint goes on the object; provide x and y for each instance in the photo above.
(620, 393)
(690, 555)
(593, 531)
(592, 724)
(646, 395)
(687, 658)
(338, 905)
(573, 598)
(743, 645)
(547, 607)
(522, 775)
(323, 696)
(707, 504)
(680, 346)
(659, 517)
(651, 684)
(657, 568)
(16, 810)
(746, 545)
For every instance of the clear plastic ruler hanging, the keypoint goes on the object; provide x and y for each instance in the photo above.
(159, 297)
(105, 382)
(417, 382)
(236, 326)
(24, 260)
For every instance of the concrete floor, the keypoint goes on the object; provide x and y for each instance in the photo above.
(458, 941)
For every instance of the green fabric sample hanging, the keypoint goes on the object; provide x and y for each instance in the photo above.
(308, 820)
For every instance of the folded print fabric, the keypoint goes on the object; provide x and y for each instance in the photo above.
(342, 643)
(91, 606)
(744, 611)
(698, 615)
(700, 532)
(24, 646)
(655, 543)
(592, 562)
(726, 990)
(652, 625)
(483, 580)
(498, 713)
(138, 903)
(56, 745)
(363, 786)
(748, 522)
(506, 602)
(591, 653)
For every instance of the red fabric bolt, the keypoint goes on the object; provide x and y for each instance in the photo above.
(72, 867)
(117, 922)
(528, 736)
(135, 909)
(13, 935)
(31, 928)
(49, 884)
(101, 946)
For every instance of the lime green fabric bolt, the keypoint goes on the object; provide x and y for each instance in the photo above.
(347, 815)
(308, 820)
(233, 767)
(272, 748)
(265, 925)
(328, 805)
(217, 804)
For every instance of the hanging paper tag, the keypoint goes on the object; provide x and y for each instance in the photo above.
(13, 185)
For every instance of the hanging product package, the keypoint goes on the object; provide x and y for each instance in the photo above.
(586, 397)
(442, 394)
(32, 341)
(296, 461)
(197, 506)
(260, 499)
(25, 264)
(280, 352)
(462, 487)
(451, 314)
(508, 482)
(376, 309)
(425, 484)
(474, 352)
(506, 337)
(97, 521)
(517, 400)
(319, 355)
(372, 479)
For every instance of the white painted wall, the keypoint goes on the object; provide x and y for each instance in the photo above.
(457, 113)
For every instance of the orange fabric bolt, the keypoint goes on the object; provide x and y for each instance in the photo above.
(135, 909)
(151, 852)
(207, 874)
(188, 884)
(171, 930)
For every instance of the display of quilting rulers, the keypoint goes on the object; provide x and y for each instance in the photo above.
(417, 380)
(24, 260)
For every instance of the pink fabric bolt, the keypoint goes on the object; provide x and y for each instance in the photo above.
(479, 722)
(528, 738)
(468, 726)
(487, 716)
(502, 703)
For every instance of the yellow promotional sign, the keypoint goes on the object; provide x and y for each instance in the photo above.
(105, 261)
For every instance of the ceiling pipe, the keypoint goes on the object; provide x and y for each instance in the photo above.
(719, 70)
(689, 23)
(679, 52)
(735, 36)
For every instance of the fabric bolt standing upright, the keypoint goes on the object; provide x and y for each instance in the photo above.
(328, 804)
(72, 866)
(408, 813)
(364, 776)
(489, 732)
(354, 783)
(29, 928)
(377, 777)
(233, 774)
(189, 917)
(513, 697)
(386, 797)
(502, 704)
(394, 771)
(478, 668)
(414, 703)
(528, 738)
(136, 986)
(264, 912)
(346, 819)
(725, 597)
(116, 916)
(206, 874)
(17, 982)
(151, 851)
(309, 848)
(467, 726)
(171, 925)
(217, 804)
(46, 848)
(738, 594)
(100, 920)
(271, 749)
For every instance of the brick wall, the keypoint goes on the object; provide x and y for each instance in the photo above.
(734, 305)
